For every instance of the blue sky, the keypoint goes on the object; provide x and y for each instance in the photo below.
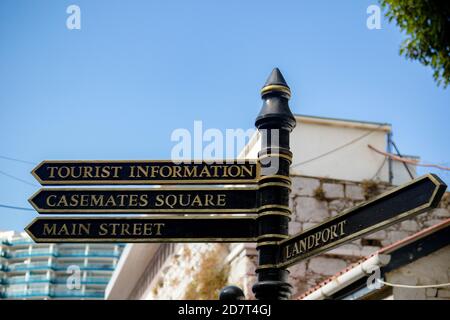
(137, 70)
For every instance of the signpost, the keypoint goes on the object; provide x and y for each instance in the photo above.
(263, 196)
(143, 229)
(134, 172)
(150, 200)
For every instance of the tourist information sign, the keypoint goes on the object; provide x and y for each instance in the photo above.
(134, 172)
(143, 229)
(391, 207)
(149, 200)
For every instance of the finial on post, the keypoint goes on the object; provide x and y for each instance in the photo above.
(275, 112)
(276, 83)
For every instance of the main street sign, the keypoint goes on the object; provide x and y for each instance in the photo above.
(146, 172)
(143, 229)
(149, 200)
(391, 207)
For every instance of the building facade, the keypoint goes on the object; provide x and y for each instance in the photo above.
(333, 169)
(31, 270)
(416, 267)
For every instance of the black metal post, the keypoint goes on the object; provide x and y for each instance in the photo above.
(275, 123)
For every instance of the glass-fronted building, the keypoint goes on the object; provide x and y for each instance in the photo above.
(30, 270)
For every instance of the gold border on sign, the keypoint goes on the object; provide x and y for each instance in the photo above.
(146, 240)
(133, 211)
(149, 182)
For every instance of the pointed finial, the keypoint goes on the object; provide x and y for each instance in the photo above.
(275, 112)
(276, 84)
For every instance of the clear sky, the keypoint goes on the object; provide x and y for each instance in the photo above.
(137, 70)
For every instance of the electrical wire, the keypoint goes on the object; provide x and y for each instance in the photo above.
(338, 148)
(17, 160)
(18, 179)
(379, 169)
(15, 208)
(413, 287)
(409, 161)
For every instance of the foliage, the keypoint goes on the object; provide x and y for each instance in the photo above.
(211, 277)
(319, 194)
(427, 25)
(370, 188)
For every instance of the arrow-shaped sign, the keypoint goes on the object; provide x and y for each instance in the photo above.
(153, 200)
(101, 172)
(143, 229)
(391, 207)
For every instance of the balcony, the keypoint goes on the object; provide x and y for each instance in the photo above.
(29, 266)
(24, 253)
(20, 241)
(88, 280)
(89, 266)
(97, 294)
(31, 279)
(26, 294)
(90, 253)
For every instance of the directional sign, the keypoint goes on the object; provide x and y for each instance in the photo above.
(145, 172)
(143, 229)
(389, 208)
(153, 200)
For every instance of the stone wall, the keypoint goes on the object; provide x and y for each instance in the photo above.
(312, 201)
(432, 269)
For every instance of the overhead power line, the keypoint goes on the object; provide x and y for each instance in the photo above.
(414, 287)
(338, 148)
(18, 179)
(17, 160)
(15, 208)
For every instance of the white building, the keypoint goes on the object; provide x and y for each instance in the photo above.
(30, 270)
(339, 149)
(334, 152)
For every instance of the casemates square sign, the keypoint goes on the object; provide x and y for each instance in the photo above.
(205, 201)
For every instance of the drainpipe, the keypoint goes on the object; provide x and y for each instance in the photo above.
(363, 269)
(389, 150)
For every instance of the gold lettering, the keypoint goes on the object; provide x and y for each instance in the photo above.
(87, 172)
(159, 200)
(84, 228)
(49, 231)
(221, 200)
(248, 170)
(103, 229)
(147, 229)
(158, 228)
(52, 171)
(143, 200)
(125, 229)
(190, 172)
(48, 200)
(137, 229)
(64, 230)
(116, 170)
